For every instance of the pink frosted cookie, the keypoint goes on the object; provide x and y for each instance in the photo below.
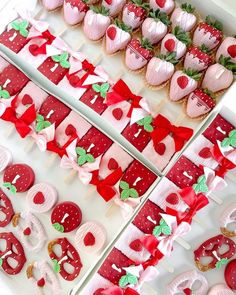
(114, 6)
(52, 4)
(166, 6)
(5, 158)
(228, 219)
(184, 283)
(30, 230)
(227, 48)
(74, 11)
(184, 17)
(41, 197)
(90, 237)
(220, 290)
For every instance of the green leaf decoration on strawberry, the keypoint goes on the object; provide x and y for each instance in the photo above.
(41, 124)
(145, 43)
(102, 90)
(182, 36)
(1, 262)
(162, 228)
(228, 63)
(205, 49)
(142, 4)
(62, 59)
(122, 25)
(230, 140)
(169, 57)
(221, 263)
(4, 93)
(84, 157)
(10, 187)
(192, 74)
(201, 186)
(128, 279)
(188, 8)
(158, 15)
(210, 20)
(146, 123)
(100, 10)
(127, 192)
(56, 266)
(21, 26)
(59, 227)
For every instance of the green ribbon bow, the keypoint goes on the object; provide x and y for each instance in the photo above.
(41, 124)
(201, 186)
(146, 123)
(59, 227)
(84, 157)
(127, 192)
(128, 279)
(21, 26)
(62, 59)
(221, 262)
(56, 266)
(162, 228)
(231, 140)
(4, 93)
(10, 187)
(102, 90)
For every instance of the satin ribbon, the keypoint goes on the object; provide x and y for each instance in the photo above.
(105, 187)
(53, 145)
(163, 127)
(42, 49)
(127, 206)
(213, 181)
(43, 137)
(115, 290)
(70, 162)
(4, 104)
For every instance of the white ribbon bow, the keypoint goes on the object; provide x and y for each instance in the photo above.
(228, 152)
(127, 206)
(213, 181)
(140, 113)
(43, 137)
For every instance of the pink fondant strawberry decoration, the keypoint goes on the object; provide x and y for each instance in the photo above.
(177, 41)
(138, 53)
(117, 36)
(166, 6)
(183, 83)
(220, 75)
(198, 58)
(114, 6)
(208, 33)
(134, 13)
(227, 48)
(74, 11)
(184, 17)
(230, 274)
(200, 102)
(66, 217)
(155, 27)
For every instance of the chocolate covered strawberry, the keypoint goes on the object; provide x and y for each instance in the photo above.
(138, 53)
(161, 68)
(134, 13)
(74, 11)
(208, 33)
(114, 6)
(166, 6)
(184, 17)
(117, 36)
(227, 48)
(178, 41)
(198, 58)
(183, 83)
(52, 4)
(155, 27)
(220, 75)
(96, 21)
(200, 102)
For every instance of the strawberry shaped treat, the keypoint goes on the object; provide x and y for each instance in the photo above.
(55, 67)
(66, 217)
(138, 53)
(96, 21)
(198, 58)
(200, 102)
(155, 27)
(114, 6)
(166, 6)
(117, 36)
(183, 17)
(134, 13)
(74, 11)
(161, 68)
(15, 38)
(6, 209)
(18, 178)
(52, 4)
(177, 41)
(220, 289)
(230, 275)
(227, 48)
(220, 75)
(183, 83)
(208, 33)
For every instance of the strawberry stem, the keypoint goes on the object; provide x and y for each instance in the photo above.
(122, 25)
(157, 15)
(100, 10)
(211, 21)
(192, 74)
(228, 63)
(209, 93)
(204, 49)
(145, 43)
(188, 8)
(182, 36)
(140, 3)
(170, 57)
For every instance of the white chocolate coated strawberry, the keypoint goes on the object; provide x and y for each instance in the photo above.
(134, 60)
(220, 289)
(201, 37)
(196, 107)
(166, 6)
(52, 4)
(114, 6)
(153, 30)
(116, 39)
(159, 71)
(183, 19)
(227, 48)
(72, 15)
(95, 25)
(130, 19)
(179, 47)
(192, 62)
(217, 78)
(5, 158)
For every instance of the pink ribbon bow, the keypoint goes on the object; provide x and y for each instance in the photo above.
(213, 181)
(43, 137)
(127, 206)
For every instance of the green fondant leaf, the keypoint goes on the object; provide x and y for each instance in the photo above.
(225, 142)
(157, 231)
(90, 158)
(58, 227)
(4, 94)
(24, 24)
(39, 126)
(47, 124)
(124, 185)
(39, 118)
(162, 222)
(15, 25)
(232, 133)
(233, 142)
(124, 194)
(81, 160)
(1, 262)
(148, 128)
(123, 282)
(56, 266)
(65, 64)
(147, 120)
(13, 189)
(166, 230)
(56, 58)
(201, 179)
(24, 32)
(133, 193)
(80, 151)
(96, 88)
(64, 56)
(133, 280)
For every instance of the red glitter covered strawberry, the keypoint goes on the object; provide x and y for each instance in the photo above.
(208, 33)
(74, 11)
(138, 53)
(134, 13)
(200, 102)
(114, 6)
(198, 58)
(227, 49)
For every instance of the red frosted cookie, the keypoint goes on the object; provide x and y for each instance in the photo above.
(66, 217)
(41, 197)
(6, 209)
(5, 158)
(68, 255)
(90, 237)
(230, 274)
(13, 250)
(18, 178)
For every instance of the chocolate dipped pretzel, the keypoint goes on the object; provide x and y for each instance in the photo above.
(6, 208)
(228, 217)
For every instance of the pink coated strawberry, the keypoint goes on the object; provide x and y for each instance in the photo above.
(184, 17)
(227, 49)
(183, 83)
(96, 22)
(114, 6)
(220, 75)
(208, 33)
(178, 41)
(138, 53)
(117, 37)
(198, 58)
(134, 13)
(230, 274)
(166, 6)
(74, 11)
(52, 4)
(200, 102)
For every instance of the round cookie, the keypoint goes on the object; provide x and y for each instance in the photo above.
(41, 197)
(227, 219)
(5, 158)
(220, 290)
(90, 237)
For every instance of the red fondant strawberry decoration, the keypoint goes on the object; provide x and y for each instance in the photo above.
(27, 100)
(198, 58)
(172, 199)
(230, 274)
(39, 198)
(117, 113)
(6, 209)
(89, 239)
(70, 130)
(41, 283)
(112, 164)
(136, 245)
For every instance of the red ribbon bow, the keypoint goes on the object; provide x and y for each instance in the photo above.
(163, 127)
(105, 186)
(150, 243)
(115, 290)
(61, 150)
(121, 92)
(43, 48)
